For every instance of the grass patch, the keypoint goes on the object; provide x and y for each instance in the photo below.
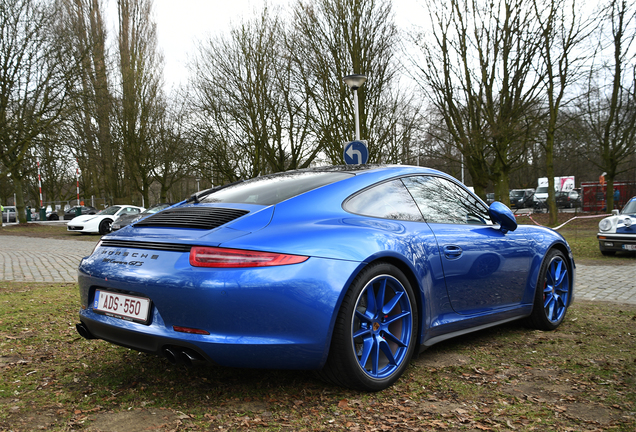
(580, 377)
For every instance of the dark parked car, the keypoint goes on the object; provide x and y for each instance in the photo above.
(490, 198)
(568, 199)
(347, 270)
(521, 198)
(127, 219)
(71, 213)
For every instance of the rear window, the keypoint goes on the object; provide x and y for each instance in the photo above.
(273, 189)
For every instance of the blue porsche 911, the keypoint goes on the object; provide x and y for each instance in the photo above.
(345, 270)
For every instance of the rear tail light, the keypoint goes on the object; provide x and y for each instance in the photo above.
(201, 256)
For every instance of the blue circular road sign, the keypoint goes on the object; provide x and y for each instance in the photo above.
(356, 153)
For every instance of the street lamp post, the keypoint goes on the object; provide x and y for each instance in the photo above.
(355, 82)
(198, 180)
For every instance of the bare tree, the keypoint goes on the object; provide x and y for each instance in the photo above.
(235, 85)
(141, 100)
(173, 150)
(252, 104)
(56, 166)
(610, 106)
(89, 129)
(479, 70)
(335, 38)
(34, 75)
(562, 32)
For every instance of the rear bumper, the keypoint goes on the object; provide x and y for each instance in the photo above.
(275, 318)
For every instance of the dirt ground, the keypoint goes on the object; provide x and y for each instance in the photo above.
(509, 393)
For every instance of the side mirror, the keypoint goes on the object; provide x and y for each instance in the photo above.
(615, 212)
(502, 215)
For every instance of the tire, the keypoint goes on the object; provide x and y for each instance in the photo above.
(553, 292)
(104, 226)
(371, 347)
(54, 217)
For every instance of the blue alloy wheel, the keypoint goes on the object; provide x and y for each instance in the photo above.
(556, 292)
(552, 296)
(375, 333)
(382, 326)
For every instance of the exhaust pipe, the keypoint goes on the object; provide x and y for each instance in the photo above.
(191, 358)
(84, 331)
(182, 356)
(172, 355)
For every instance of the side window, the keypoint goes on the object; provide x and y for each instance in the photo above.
(388, 200)
(442, 201)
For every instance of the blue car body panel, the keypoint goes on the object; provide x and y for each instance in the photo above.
(465, 276)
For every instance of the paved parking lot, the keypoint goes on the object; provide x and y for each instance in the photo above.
(27, 259)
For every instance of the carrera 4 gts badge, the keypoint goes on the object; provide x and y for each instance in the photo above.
(130, 263)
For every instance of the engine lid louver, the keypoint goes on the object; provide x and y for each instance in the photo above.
(206, 218)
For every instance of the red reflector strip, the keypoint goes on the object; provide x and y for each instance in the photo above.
(189, 330)
(201, 256)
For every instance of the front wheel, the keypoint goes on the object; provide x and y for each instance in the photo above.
(553, 292)
(375, 331)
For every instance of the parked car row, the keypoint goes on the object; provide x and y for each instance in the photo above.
(91, 220)
(537, 199)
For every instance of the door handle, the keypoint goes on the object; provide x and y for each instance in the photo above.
(452, 252)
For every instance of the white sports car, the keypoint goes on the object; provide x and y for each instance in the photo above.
(101, 222)
(618, 232)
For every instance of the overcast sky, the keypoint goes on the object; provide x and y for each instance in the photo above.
(181, 23)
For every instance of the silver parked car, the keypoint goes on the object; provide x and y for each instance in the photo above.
(9, 214)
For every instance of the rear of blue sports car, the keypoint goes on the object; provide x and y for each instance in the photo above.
(173, 285)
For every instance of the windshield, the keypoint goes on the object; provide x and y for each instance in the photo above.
(630, 207)
(542, 189)
(275, 188)
(109, 211)
(516, 193)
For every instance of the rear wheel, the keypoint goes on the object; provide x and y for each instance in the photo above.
(104, 226)
(553, 292)
(375, 332)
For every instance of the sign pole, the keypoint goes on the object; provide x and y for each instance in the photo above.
(355, 152)
(40, 184)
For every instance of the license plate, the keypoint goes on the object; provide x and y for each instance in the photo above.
(123, 306)
(629, 247)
